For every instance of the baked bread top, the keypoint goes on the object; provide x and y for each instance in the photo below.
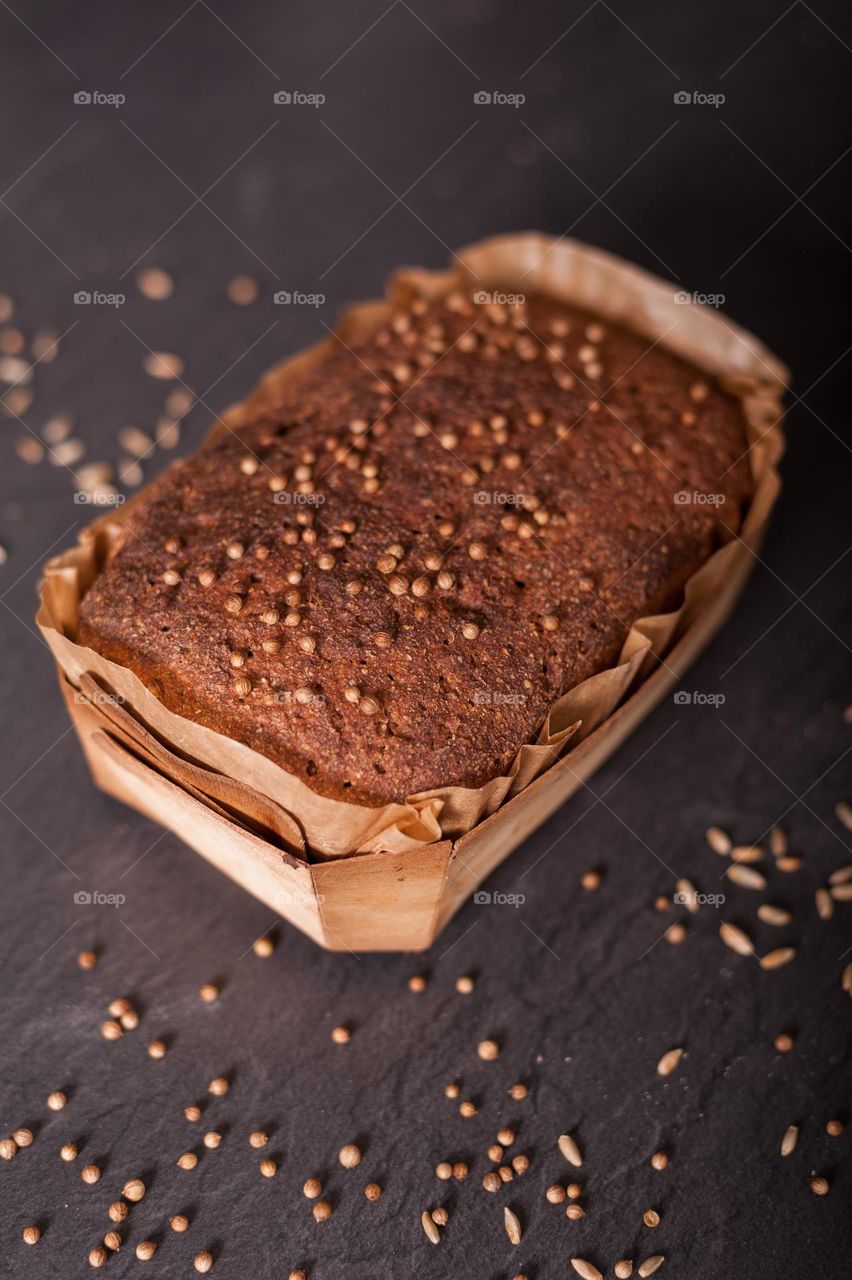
(388, 573)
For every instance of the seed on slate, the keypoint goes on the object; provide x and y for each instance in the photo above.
(737, 939)
(187, 1161)
(145, 1250)
(341, 1035)
(163, 364)
(117, 1211)
(776, 959)
(87, 959)
(192, 1113)
(555, 1194)
(770, 914)
(212, 1140)
(575, 1212)
(488, 1050)
(258, 1139)
(8, 1148)
(68, 1151)
(783, 1042)
(179, 1222)
(574, 1190)
(23, 1137)
(492, 1181)
(460, 1171)
(451, 1090)
(203, 1261)
(789, 864)
(842, 875)
(440, 1216)
(659, 1160)
(747, 853)
(651, 1218)
(746, 877)
(651, 1265)
(841, 892)
(56, 1101)
(373, 1191)
(297, 1275)
(844, 814)
(590, 881)
(118, 1007)
(513, 1225)
(31, 1234)
(778, 842)
(585, 1269)
(520, 1164)
(846, 979)
(570, 1150)
(218, 1087)
(90, 1173)
(506, 1136)
(129, 1020)
(788, 1142)
(242, 290)
(718, 840)
(505, 1173)
(112, 1240)
(518, 1092)
(156, 1049)
(834, 1128)
(433, 1235)
(268, 1168)
(349, 1156)
(675, 934)
(669, 1061)
(443, 1170)
(624, 1269)
(154, 283)
(819, 1186)
(97, 1256)
(464, 985)
(111, 1030)
(312, 1188)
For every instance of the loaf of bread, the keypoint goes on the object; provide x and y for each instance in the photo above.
(386, 575)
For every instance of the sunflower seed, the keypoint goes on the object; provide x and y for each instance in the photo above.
(737, 939)
(789, 863)
(512, 1224)
(788, 1142)
(842, 893)
(718, 840)
(137, 443)
(844, 813)
(58, 428)
(66, 453)
(773, 915)
(778, 843)
(432, 1232)
(669, 1061)
(585, 1269)
(747, 853)
(746, 877)
(570, 1150)
(650, 1265)
(842, 875)
(824, 904)
(778, 958)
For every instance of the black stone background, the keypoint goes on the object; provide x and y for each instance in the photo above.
(745, 199)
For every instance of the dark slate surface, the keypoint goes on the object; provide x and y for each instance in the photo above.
(200, 172)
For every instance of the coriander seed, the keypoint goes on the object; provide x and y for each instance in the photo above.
(192, 1113)
(187, 1161)
(417, 983)
(87, 959)
(268, 1168)
(111, 1030)
(112, 1240)
(203, 1261)
(209, 992)
(145, 1250)
(518, 1092)
(118, 1211)
(218, 1087)
(373, 1191)
(322, 1211)
(97, 1256)
(488, 1050)
(68, 1151)
(464, 985)
(212, 1139)
(156, 1049)
(258, 1139)
(56, 1101)
(133, 1190)
(263, 947)
(31, 1234)
(341, 1035)
(575, 1212)
(90, 1174)
(349, 1155)
(179, 1222)
(312, 1188)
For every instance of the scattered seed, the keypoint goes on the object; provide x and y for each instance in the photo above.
(163, 364)
(570, 1150)
(312, 1188)
(268, 1168)
(844, 814)
(68, 1152)
(669, 1062)
(451, 1090)
(112, 1240)
(417, 983)
(212, 1140)
(258, 1139)
(555, 1194)
(187, 1161)
(117, 1211)
(590, 881)
(842, 875)
(154, 283)
(575, 1212)
(778, 844)
(650, 1265)
(209, 993)
(846, 979)
(56, 1101)
(718, 840)
(31, 1234)
(111, 1030)
(737, 939)
(676, 933)
(433, 1235)
(87, 959)
(443, 1170)
(30, 450)
(218, 1087)
(842, 892)
(820, 1186)
(263, 947)
(788, 1142)
(746, 877)
(659, 1160)
(747, 853)
(460, 1171)
(783, 1042)
(585, 1269)
(145, 1250)
(834, 1128)
(23, 1137)
(133, 1190)
(492, 1181)
(157, 1049)
(97, 1256)
(203, 1261)
(488, 1050)
(192, 1113)
(789, 863)
(512, 1223)
(90, 1173)
(322, 1211)
(179, 1222)
(824, 904)
(574, 1190)
(373, 1191)
(349, 1156)
(242, 290)
(651, 1218)
(778, 958)
(624, 1269)
(770, 914)
(518, 1092)
(464, 985)
(440, 1216)
(341, 1035)
(467, 1109)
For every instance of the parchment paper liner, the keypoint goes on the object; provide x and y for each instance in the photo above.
(250, 788)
